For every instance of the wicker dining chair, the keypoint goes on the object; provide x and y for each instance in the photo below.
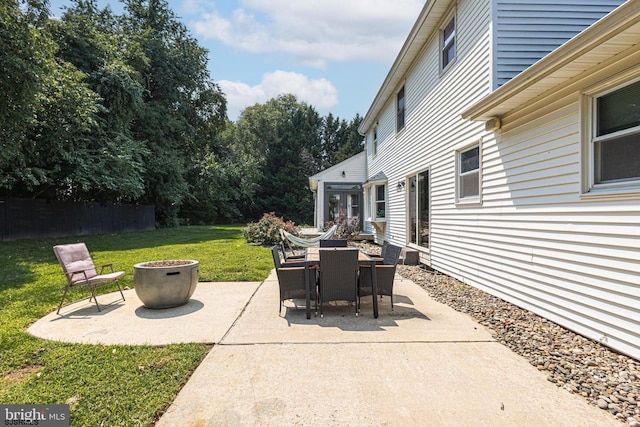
(380, 258)
(338, 278)
(291, 280)
(385, 274)
(333, 243)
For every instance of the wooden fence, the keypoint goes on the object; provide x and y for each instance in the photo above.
(30, 219)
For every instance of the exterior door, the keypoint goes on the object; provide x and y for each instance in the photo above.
(343, 201)
(419, 221)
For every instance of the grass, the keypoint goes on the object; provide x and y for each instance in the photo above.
(112, 385)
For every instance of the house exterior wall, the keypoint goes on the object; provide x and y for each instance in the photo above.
(433, 128)
(544, 244)
(533, 238)
(527, 31)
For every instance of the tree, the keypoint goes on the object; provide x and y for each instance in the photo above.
(283, 135)
(25, 56)
(181, 105)
(352, 142)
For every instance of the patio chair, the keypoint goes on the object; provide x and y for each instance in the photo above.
(338, 279)
(291, 280)
(380, 258)
(292, 257)
(385, 273)
(80, 270)
(333, 243)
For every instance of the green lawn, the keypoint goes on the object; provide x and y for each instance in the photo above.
(106, 385)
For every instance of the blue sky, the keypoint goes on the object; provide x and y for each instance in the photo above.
(332, 54)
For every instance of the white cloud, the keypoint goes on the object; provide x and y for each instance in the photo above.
(314, 32)
(320, 93)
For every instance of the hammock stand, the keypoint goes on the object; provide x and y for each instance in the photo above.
(310, 242)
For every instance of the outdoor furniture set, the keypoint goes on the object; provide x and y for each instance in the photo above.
(336, 274)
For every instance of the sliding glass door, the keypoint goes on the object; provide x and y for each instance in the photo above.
(418, 204)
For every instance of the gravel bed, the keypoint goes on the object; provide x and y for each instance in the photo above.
(579, 365)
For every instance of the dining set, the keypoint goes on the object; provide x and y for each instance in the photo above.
(333, 271)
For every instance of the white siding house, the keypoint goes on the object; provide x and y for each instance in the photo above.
(506, 141)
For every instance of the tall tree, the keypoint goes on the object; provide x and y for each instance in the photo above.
(284, 135)
(26, 56)
(351, 141)
(181, 104)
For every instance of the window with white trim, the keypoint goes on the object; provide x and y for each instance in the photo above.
(380, 202)
(374, 144)
(400, 110)
(468, 174)
(448, 43)
(614, 140)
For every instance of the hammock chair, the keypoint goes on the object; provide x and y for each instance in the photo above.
(310, 242)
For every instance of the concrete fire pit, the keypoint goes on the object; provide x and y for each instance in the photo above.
(165, 284)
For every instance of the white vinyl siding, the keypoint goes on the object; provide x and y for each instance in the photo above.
(527, 31)
(433, 104)
(536, 240)
(572, 261)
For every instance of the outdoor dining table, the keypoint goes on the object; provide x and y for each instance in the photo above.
(312, 260)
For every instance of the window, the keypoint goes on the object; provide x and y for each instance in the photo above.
(374, 145)
(468, 173)
(400, 110)
(380, 206)
(615, 138)
(448, 46)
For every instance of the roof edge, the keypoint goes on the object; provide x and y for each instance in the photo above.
(610, 25)
(403, 58)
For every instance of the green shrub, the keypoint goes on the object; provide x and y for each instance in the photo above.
(267, 230)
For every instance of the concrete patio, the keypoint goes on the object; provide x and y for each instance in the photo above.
(421, 364)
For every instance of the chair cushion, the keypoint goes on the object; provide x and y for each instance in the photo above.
(75, 257)
(106, 277)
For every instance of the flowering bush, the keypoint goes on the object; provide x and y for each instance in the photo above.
(267, 230)
(347, 227)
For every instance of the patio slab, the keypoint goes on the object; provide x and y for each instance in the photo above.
(422, 365)
(205, 318)
(374, 384)
(415, 318)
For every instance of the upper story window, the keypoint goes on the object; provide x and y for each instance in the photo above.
(468, 174)
(374, 144)
(448, 46)
(400, 110)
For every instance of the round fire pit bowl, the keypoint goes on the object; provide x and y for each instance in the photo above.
(165, 284)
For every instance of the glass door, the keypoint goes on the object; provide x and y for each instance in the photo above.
(343, 201)
(418, 203)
